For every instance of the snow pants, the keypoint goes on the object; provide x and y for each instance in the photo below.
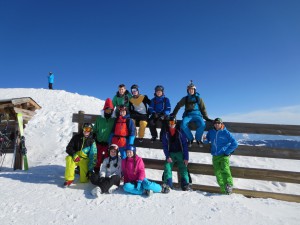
(200, 124)
(146, 185)
(153, 123)
(102, 153)
(222, 171)
(142, 127)
(106, 183)
(70, 169)
(176, 157)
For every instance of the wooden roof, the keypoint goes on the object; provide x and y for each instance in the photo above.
(24, 105)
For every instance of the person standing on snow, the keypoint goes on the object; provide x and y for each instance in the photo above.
(50, 80)
(222, 146)
(133, 170)
(123, 131)
(122, 97)
(102, 130)
(195, 111)
(138, 110)
(82, 152)
(176, 151)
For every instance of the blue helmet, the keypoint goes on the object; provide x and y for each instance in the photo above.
(131, 147)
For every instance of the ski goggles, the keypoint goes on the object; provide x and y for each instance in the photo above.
(87, 129)
(134, 90)
(108, 110)
(172, 122)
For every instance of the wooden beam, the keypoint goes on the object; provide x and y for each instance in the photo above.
(242, 150)
(238, 172)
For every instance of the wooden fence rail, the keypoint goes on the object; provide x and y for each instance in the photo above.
(243, 150)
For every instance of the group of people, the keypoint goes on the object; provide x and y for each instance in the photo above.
(106, 155)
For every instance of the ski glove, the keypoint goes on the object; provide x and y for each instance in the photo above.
(76, 158)
(138, 185)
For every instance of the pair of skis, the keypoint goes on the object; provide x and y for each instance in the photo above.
(22, 140)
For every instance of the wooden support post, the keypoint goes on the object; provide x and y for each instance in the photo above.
(80, 120)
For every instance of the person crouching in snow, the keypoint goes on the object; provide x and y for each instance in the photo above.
(223, 145)
(175, 147)
(110, 173)
(133, 170)
(82, 152)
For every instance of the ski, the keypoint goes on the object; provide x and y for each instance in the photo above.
(22, 140)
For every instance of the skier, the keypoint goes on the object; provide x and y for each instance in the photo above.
(138, 110)
(82, 152)
(102, 130)
(195, 111)
(222, 145)
(159, 111)
(175, 149)
(122, 97)
(50, 80)
(133, 169)
(110, 173)
(123, 131)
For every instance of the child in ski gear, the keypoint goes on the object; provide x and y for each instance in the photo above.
(159, 110)
(195, 111)
(138, 110)
(175, 148)
(102, 130)
(110, 172)
(222, 146)
(50, 80)
(82, 152)
(133, 169)
(123, 131)
(122, 97)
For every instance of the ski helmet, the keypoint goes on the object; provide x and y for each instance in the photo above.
(191, 85)
(131, 148)
(172, 120)
(88, 127)
(159, 88)
(122, 107)
(113, 146)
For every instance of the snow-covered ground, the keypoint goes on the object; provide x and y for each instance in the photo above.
(37, 197)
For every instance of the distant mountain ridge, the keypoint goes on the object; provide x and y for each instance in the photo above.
(290, 144)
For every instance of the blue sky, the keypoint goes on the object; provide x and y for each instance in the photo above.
(243, 56)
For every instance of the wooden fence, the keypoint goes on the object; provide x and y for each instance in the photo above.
(243, 150)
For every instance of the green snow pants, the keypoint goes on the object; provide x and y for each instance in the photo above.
(176, 157)
(222, 171)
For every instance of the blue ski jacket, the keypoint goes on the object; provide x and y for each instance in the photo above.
(51, 78)
(222, 142)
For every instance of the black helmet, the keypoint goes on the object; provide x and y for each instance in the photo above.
(159, 88)
(134, 86)
(172, 119)
(122, 107)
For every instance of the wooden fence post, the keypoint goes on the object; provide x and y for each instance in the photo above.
(80, 120)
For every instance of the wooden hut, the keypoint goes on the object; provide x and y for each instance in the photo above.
(9, 126)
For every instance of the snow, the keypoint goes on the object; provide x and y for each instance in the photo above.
(36, 196)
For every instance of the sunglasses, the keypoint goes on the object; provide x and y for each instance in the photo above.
(87, 129)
